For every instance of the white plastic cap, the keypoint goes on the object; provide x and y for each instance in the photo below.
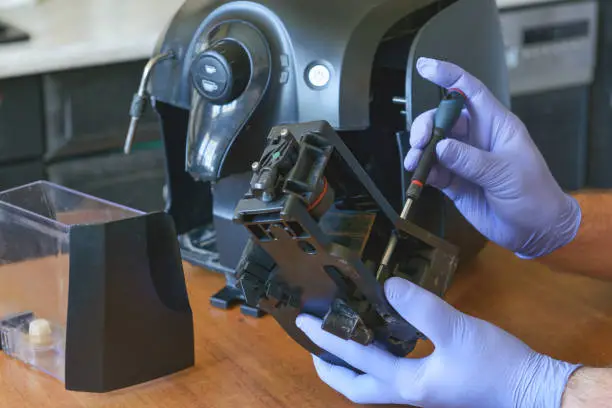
(40, 332)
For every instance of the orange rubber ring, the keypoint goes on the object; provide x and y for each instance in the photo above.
(320, 197)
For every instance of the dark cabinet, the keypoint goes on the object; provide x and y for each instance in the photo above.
(87, 110)
(136, 181)
(600, 144)
(550, 50)
(69, 127)
(21, 119)
(19, 174)
(558, 124)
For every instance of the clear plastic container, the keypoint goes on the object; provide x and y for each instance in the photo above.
(35, 223)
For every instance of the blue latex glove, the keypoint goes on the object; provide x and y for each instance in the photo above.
(493, 171)
(474, 364)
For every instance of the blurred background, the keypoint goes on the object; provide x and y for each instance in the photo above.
(69, 68)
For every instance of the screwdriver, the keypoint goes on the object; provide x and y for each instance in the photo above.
(445, 118)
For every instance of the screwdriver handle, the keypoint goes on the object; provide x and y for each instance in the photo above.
(449, 110)
(446, 116)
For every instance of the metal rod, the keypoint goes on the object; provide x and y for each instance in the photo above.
(138, 102)
(393, 241)
(399, 100)
(406, 209)
(129, 139)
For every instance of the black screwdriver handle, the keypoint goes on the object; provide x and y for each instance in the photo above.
(445, 118)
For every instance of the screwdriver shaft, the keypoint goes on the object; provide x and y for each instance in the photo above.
(445, 118)
(393, 241)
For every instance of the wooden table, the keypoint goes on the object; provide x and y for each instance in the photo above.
(249, 362)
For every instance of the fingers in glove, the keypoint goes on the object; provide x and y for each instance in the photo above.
(477, 166)
(460, 189)
(412, 159)
(469, 200)
(368, 359)
(439, 177)
(449, 75)
(420, 136)
(420, 131)
(360, 389)
(424, 310)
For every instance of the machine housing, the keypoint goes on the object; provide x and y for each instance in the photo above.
(239, 71)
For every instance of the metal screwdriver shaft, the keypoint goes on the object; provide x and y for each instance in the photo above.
(446, 116)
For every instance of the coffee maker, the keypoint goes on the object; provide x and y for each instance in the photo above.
(226, 74)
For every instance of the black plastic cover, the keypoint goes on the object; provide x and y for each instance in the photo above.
(129, 318)
(217, 130)
(188, 201)
(466, 33)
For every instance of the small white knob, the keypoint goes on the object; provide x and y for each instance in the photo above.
(40, 332)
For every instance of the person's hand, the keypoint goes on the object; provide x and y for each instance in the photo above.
(493, 172)
(474, 364)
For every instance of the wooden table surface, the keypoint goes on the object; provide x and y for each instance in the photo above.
(242, 361)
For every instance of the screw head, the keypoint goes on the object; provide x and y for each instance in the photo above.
(284, 132)
(266, 197)
(255, 166)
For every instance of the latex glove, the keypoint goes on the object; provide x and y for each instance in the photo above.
(474, 364)
(493, 171)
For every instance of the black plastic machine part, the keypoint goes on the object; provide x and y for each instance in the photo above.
(129, 318)
(222, 73)
(350, 63)
(319, 226)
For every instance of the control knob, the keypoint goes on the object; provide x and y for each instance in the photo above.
(222, 73)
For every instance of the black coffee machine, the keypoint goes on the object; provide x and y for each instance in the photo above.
(225, 73)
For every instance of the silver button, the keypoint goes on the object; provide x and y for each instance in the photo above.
(318, 75)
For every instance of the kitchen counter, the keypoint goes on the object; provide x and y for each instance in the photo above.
(67, 34)
(242, 361)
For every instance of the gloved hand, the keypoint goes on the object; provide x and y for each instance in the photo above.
(493, 171)
(474, 364)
